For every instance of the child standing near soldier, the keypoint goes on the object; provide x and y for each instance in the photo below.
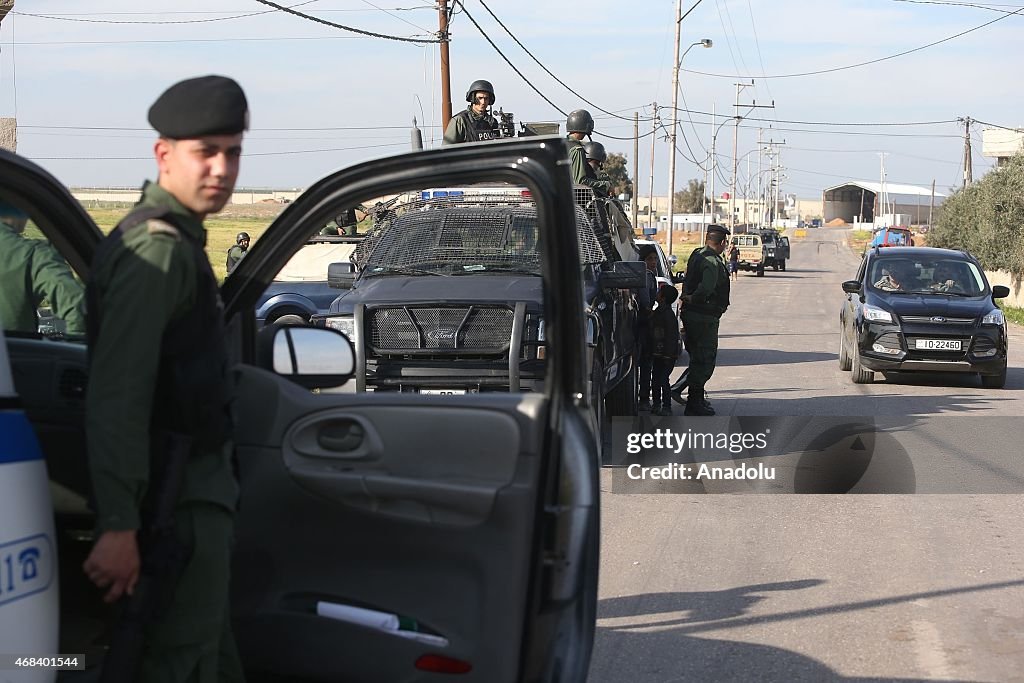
(664, 330)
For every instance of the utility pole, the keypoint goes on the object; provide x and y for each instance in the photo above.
(760, 209)
(654, 137)
(714, 161)
(678, 16)
(446, 83)
(636, 164)
(735, 138)
(968, 170)
(931, 207)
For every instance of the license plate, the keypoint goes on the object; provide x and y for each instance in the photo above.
(443, 392)
(938, 344)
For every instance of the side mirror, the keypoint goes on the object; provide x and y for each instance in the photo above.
(341, 275)
(624, 275)
(312, 357)
(1000, 292)
(673, 259)
(852, 286)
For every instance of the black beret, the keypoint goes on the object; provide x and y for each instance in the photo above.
(721, 229)
(209, 105)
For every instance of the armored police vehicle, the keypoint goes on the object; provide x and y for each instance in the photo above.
(448, 297)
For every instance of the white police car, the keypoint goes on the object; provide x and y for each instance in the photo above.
(28, 560)
(472, 517)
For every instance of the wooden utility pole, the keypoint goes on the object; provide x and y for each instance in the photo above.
(446, 83)
(654, 137)
(636, 164)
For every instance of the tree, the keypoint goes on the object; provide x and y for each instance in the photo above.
(690, 200)
(615, 168)
(986, 218)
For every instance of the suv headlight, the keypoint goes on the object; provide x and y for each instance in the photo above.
(540, 330)
(995, 317)
(345, 324)
(875, 314)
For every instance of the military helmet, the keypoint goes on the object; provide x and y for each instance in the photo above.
(480, 86)
(242, 236)
(595, 151)
(580, 121)
(13, 217)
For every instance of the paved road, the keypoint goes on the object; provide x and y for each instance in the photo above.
(825, 587)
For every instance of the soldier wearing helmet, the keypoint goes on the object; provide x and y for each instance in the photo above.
(237, 251)
(596, 156)
(475, 122)
(580, 124)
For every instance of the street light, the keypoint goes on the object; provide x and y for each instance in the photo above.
(704, 42)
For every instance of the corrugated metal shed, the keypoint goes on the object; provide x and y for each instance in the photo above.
(898, 193)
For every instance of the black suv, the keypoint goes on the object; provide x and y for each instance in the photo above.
(448, 299)
(922, 309)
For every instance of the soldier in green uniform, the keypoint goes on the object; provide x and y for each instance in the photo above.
(32, 271)
(474, 123)
(705, 300)
(580, 124)
(158, 365)
(237, 251)
(596, 156)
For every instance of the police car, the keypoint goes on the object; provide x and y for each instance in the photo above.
(28, 559)
(469, 522)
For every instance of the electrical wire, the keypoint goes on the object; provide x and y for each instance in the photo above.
(351, 29)
(507, 61)
(57, 17)
(547, 70)
(996, 125)
(221, 11)
(389, 13)
(871, 61)
(990, 7)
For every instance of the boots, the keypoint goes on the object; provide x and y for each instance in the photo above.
(697, 405)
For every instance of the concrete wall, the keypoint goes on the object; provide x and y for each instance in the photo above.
(1001, 277)
(131, 195)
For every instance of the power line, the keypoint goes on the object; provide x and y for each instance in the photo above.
(178, 40)
(221, 11)
(547, 70)
(351, 29)
(57, 17)
(835, 123)
(996, 125)
(312, 128)
(391, 14)
(872, 61)
(246, 154)
(990, 7)
(507, 61)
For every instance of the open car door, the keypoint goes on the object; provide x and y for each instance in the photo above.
(467, 525)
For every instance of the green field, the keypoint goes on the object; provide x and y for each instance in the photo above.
(220, 229)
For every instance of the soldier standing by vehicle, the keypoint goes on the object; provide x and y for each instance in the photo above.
(474, 123)
(596, 156)
(646, 297)
(31, 271)
(237, 251)
(157, 376)
(705, 300)
(580, 124)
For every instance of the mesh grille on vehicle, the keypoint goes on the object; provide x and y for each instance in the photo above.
(464, 329)
(936, 320)
(464, 233)
(890, 340)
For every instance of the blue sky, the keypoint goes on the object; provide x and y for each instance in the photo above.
(67, 78)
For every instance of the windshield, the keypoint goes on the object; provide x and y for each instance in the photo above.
(462, 237)
(948, 277)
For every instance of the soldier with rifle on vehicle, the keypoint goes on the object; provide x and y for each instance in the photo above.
(157, 422)
(580, 124)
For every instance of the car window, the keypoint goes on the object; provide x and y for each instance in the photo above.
(41, 294)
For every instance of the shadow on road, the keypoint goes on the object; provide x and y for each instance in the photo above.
(675, 653)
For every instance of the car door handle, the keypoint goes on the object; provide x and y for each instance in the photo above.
(342, 436)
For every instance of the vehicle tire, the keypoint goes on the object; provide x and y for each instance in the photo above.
(775, 266)
(760, 271)
(782, 265)
(861, 375)
(994, 381)
(845, 362)
(290, 319)
(623, 400)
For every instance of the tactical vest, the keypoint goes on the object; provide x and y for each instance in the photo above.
(716, 302)
(478, 129)
(190, 396)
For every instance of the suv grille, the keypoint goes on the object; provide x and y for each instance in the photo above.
(932, 320)
(402, 330)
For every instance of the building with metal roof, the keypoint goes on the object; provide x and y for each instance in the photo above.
(860, 201)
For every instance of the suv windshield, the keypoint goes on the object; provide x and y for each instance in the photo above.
(950, 277)
(462, 237)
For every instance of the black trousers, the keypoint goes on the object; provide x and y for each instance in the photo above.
(661, 369)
